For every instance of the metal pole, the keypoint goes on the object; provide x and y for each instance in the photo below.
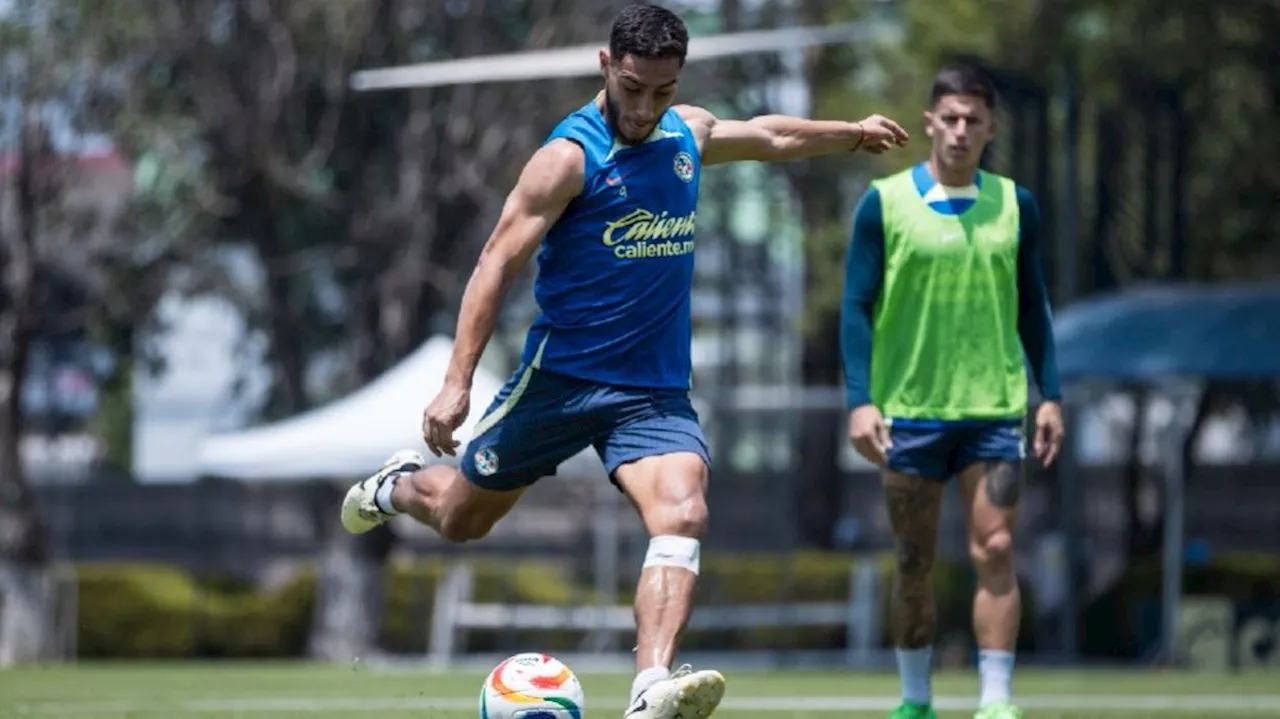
(1173, 503)
(607, 538)
(1184, 401)
(1069, 526)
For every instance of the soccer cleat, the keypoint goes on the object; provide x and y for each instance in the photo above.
(907, 710)
(686, 695)
(360, 512)
(999, 711)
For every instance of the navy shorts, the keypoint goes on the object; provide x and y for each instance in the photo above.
(941, 450)
(539, 419)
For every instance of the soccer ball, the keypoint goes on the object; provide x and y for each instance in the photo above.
(531, 686)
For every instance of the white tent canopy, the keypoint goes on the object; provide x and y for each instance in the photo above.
(353, 436)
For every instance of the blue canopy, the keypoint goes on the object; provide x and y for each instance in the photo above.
(1228, 331)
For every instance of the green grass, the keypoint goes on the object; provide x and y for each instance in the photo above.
(183, 690)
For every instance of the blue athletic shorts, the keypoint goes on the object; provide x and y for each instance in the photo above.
(539, 419)
(938, 450)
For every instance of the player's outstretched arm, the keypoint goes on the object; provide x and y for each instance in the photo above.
(782, 138)
(549, 181)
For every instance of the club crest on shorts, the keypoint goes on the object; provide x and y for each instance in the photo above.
(486, 461)
(684, 166)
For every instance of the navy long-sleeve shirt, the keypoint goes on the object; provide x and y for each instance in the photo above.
(864, 275)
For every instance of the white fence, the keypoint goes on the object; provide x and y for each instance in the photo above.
(455, 613)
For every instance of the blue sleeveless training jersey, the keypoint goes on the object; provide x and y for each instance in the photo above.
(615, 271)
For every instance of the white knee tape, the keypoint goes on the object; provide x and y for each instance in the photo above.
(672, 551)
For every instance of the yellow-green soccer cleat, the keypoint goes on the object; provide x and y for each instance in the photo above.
(688, 694)
(360, 512)
(907, 710)
(999, 711)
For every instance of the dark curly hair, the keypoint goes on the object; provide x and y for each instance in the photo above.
(648, 32)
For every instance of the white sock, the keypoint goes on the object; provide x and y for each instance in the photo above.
(382, 497)
(646, 679)
(915, 669)
(995, 668)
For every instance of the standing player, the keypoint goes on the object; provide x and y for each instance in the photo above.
(944, 294)
(611, 200)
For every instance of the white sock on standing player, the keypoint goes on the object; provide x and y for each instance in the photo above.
(995, 670)
(915, 669)
(646, 679)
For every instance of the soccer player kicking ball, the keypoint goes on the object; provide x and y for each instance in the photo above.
(944, 293)
(610, 200)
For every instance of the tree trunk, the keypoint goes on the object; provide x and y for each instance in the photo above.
(26, 606)
(349, 589)
(287, 349)
(26, 614)
(821, 197)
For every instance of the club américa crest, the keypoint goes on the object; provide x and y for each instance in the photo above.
(486, 461)
(684, 166)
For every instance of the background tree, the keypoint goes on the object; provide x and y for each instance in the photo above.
(364, 213)
(74, 268)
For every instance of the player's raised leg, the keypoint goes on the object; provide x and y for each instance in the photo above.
(991, 491)
(914, 505)
(670, 492)
(530, 427)
(438, 496)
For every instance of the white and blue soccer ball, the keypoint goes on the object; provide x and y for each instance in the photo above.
(531, 686)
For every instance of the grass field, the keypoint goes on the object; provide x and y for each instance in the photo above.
(230, 691)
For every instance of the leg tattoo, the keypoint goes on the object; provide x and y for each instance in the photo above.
(914, 506)
(1004, 484)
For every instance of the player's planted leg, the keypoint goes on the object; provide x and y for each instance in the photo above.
(438, 496)
(914, 506)
(669, 491)
(991, 493)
